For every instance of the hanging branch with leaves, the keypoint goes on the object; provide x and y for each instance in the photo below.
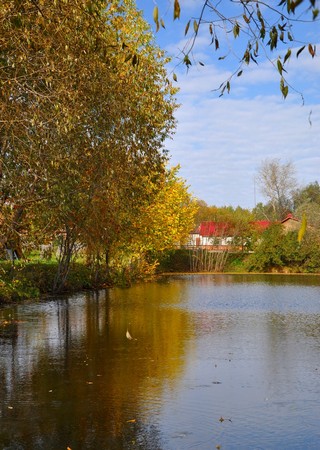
(261, 27)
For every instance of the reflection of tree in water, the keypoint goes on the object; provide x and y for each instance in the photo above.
(87, 386)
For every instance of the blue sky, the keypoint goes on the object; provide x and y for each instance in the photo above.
(220, 142)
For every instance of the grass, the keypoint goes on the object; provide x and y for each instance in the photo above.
(26, 280)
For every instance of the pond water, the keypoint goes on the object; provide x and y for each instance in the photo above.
(215, 361)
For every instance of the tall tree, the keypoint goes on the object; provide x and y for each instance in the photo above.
(277, 181)
(86, 106)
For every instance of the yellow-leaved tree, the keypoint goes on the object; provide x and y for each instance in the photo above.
(164, 223)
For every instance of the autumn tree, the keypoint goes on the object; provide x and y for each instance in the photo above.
(261, 30)
(168, 220)
(163, 223)
(87, 108)
(277, 181)
(205, 213)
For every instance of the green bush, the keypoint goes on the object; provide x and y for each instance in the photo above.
(281, 252)
(30, 280)
(17, 290)
(235, 262)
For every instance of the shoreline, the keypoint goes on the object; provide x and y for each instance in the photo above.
(16, 291)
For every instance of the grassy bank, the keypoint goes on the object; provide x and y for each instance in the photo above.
(21, 281)
(34, 279)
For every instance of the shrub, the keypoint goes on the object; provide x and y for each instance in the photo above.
(281, 251)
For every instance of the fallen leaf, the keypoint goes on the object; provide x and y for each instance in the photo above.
(128, 335)
(89, 382)
(131, 421)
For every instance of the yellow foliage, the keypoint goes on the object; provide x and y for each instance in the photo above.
(167, 221)
(302, 229)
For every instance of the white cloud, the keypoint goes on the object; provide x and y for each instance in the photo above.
(220, 142)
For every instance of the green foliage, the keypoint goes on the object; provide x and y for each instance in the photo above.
(228, 214)
(307, 194)
(281, 252)
(31, 280)
(12, 291)
(269, 251)
(306, 202)
(263, 211)
(236, 263)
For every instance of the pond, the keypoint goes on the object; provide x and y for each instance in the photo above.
(184, 362)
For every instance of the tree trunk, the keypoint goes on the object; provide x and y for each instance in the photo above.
(67, 245)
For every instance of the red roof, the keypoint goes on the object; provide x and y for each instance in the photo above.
(213, 228)
(290, 216)
(224, 228)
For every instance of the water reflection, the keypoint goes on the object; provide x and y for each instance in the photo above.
(70, 377)
(214, 360)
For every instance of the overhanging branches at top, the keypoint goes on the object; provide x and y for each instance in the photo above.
(263, 26)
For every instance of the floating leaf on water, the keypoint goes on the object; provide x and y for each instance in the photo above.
(131, 421)
(128, 335)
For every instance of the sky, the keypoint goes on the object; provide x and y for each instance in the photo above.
(220, 142)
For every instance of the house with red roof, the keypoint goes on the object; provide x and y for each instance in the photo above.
(291, 223)
(221, 236)
(212, 235)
